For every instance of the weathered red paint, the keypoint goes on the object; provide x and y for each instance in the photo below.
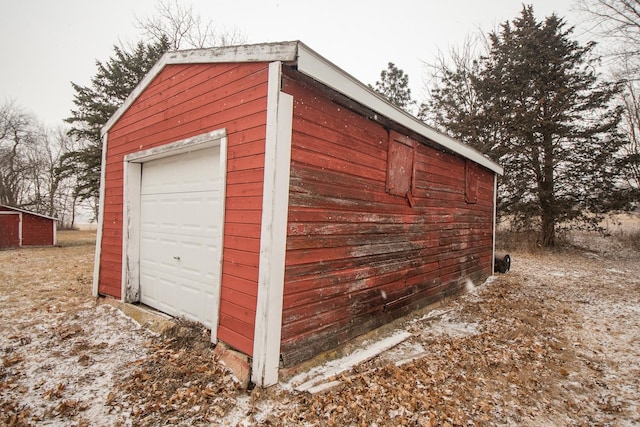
(35, 229)
(359, 251)
(9, 230)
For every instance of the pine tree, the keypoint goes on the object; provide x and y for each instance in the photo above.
(394, 86)
(96, 103)
(542, 112)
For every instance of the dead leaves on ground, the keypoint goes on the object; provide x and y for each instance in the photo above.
(180, 382)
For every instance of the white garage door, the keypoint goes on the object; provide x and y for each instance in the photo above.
(179, 234)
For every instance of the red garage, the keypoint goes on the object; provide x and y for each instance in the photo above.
(20, 228)
(266, 193)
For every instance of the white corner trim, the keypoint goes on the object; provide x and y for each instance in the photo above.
(495, 220)
(217, 290)
(55, 232)
(20, 225)
(131, 210)
(103, 172)
(317, 67)
(275, 202)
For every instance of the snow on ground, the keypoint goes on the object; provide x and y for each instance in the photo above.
(554, 342)
(60, 350)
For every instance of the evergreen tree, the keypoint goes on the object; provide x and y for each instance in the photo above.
(394, 86)
(96, 103)
(542, 112)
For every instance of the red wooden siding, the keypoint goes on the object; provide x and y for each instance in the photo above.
(36, 230)
(358, 256)
(184, 101)
(9, 230)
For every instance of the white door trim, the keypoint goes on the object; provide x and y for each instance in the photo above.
(132, 206)
(273, 236)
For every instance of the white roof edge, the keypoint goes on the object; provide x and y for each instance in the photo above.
(315, 66)
(264, 52)
(320, 69)
(29, 212)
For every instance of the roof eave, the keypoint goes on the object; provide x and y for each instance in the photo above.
(29, 212)
(318, 68)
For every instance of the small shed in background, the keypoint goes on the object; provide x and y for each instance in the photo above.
(19, 228)
(269, 195)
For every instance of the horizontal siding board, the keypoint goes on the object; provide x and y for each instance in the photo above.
(240, 270)
(338, 143)
(247, 202)
(242, 190)
(235, 314)
(242, 243)
(245, 230)
(245, 177)
(241, 299)
(237, 216)
(238, 341)
(333, 116)
(238, 284)
(241, 257)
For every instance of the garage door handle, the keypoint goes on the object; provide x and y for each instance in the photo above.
(177, 258)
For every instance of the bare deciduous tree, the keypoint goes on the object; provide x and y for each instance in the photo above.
(17, 134)
(185, 29)
(631, 127)
(31, 176)
(619, 22)
(52, 186)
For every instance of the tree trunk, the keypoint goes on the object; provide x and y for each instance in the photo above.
(548, 230)
(547, 194)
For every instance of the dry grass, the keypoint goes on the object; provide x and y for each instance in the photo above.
(619, 230)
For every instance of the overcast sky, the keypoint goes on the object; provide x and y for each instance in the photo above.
(46, 44)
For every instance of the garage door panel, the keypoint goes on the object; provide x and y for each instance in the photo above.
(189, 172)
(196, 213)
(179, 253)
(179, 234)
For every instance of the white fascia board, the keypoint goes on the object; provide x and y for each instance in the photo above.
(318, 68)
(267, 52)
(273, 235)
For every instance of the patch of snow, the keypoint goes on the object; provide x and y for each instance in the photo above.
(92, 346)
